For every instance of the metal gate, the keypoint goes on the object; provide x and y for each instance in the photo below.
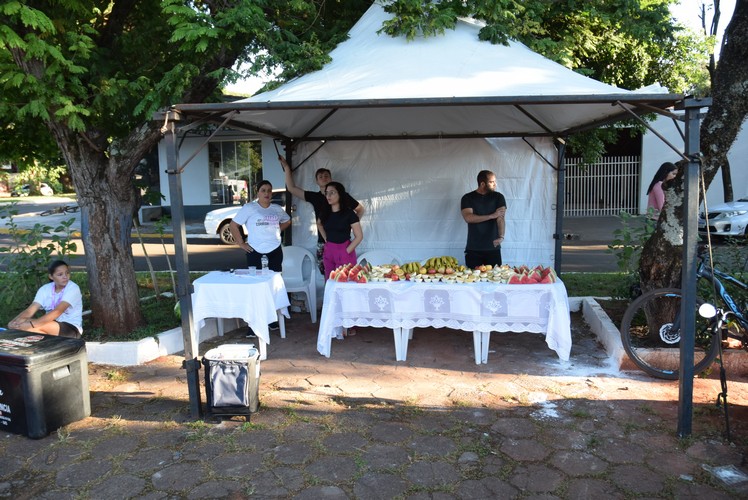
(606, 187)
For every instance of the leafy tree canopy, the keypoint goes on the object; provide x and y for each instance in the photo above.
(626, 43)
(106, 66)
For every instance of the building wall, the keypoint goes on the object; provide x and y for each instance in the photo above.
(196, 175)
(655, 152)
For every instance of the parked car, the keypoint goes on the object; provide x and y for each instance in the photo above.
(726, 219)
(25, 190)
(217, 221)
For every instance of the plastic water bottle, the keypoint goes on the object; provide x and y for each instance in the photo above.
(264, 261)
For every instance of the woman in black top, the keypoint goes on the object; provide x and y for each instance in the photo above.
(335, 225)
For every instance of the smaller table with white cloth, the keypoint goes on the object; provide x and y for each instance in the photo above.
(258, 299)
(476, 307)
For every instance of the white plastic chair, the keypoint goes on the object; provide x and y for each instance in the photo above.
(379, 257)
(299, 275)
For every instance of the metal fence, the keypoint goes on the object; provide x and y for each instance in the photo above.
(607, 187)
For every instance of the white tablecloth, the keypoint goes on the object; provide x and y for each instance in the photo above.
(476, 307)
(258, 300)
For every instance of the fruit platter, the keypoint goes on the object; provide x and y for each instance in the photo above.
(444, 269)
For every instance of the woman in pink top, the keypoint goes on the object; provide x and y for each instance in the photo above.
(656, 200)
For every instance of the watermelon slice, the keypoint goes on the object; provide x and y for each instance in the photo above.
(547, 279)
(341, 276)
(362, 278)
(534, 275)
(526, 280)
(515, 279)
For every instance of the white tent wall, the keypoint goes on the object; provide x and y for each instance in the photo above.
(411, 190)
(655, 152)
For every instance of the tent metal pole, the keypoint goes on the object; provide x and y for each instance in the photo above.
(288, 234)
(688, 277)
(560, 204)
(184, 287)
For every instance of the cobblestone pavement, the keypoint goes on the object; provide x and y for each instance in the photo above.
(361, 425)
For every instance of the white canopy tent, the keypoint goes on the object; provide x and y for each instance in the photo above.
(430, 94)
(394, 117)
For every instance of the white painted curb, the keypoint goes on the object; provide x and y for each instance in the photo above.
(142, 351)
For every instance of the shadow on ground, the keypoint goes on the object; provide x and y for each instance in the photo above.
(361, 425)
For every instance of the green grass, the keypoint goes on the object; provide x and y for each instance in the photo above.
(595, 284)
(11, 199)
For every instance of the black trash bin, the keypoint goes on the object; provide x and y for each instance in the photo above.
(43, 382)
(232, 379)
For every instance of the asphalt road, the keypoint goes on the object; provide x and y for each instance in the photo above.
(584, 249)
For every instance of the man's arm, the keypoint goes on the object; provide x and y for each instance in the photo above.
(290, 185)
(321, 230)
(359, 210)
(471, 218)
(501, 224)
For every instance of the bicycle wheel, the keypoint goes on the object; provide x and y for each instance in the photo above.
(651, 334)
(45, 213)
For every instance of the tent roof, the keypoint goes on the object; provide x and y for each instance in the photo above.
(453, 85)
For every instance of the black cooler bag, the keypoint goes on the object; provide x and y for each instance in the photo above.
(232, 379)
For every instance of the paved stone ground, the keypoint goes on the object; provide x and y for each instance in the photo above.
(361, 425)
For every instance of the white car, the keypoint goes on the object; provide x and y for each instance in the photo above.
(726, 219)
(217, 221)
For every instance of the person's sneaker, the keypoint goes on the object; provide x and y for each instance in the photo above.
(251, 333)
(274, 326)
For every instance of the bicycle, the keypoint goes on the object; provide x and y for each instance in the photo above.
(650, 330)
(63, 209)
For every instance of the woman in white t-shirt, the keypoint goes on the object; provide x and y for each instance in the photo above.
(62, 302)
(264, 222)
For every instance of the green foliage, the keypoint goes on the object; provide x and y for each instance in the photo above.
(34, 175)
(595, 284)
(33, 249)
(94, 72)
(628, 242)
(731, 257)
(26, 258)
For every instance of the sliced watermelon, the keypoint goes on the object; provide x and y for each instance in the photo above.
(547, 279)
(362, 278)
(341, 276)
(333, 274)
(526, 280)
(534, 275)
(515, 279)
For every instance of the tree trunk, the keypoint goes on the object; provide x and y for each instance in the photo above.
(106, 195)
(661, 258)
(106, 231)
(661, 262)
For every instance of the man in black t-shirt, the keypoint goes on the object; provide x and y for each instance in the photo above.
(322, 178)
(484, 210)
